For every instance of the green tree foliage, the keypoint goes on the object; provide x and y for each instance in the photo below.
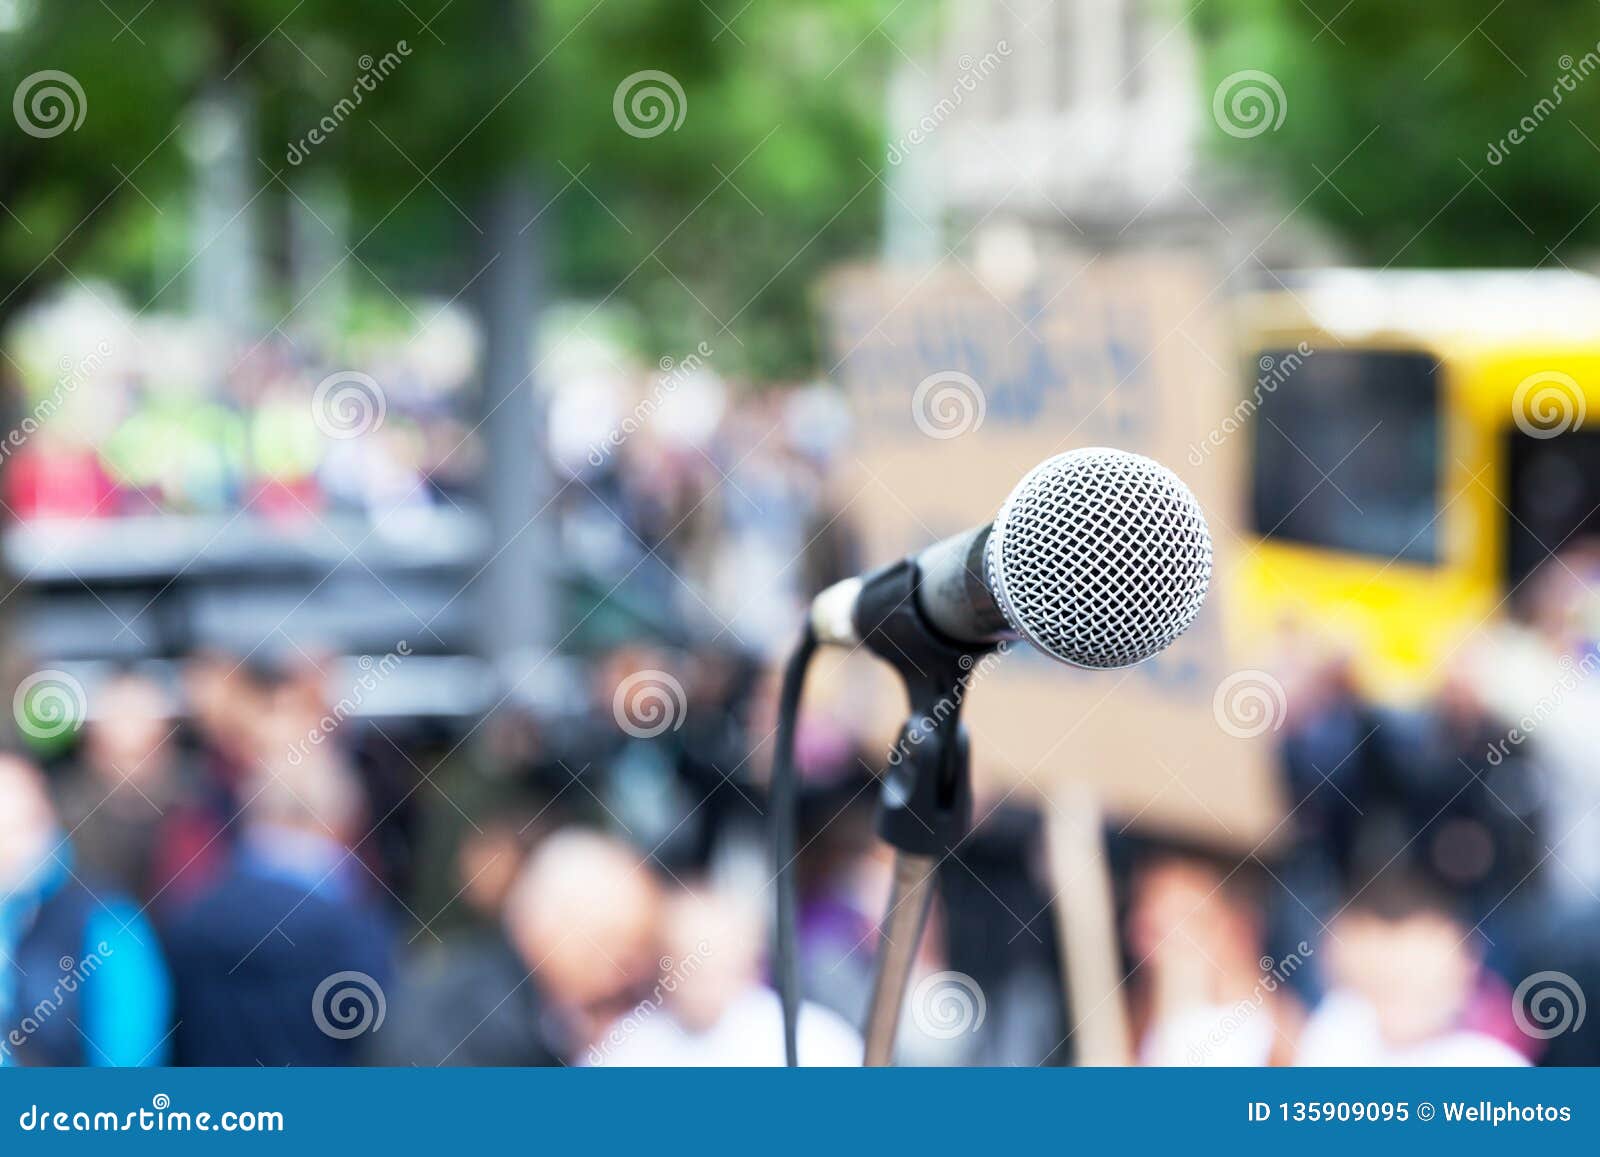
(1408, 106)
(714, 230)
(71, 197)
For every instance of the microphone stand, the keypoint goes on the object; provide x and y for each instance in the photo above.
(925, 807)
(899, 936)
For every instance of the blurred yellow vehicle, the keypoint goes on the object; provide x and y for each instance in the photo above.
(1421, 442)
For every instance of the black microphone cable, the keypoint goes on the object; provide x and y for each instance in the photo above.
(785, 826)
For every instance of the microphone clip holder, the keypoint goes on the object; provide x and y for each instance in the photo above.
(926, 798)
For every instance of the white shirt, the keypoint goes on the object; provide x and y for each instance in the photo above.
(1344, 1031)
(750, 1034)
(1211, 1036)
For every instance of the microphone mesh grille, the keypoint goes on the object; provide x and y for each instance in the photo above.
(1100, 558)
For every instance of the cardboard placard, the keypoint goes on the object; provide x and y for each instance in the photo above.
(958, 390)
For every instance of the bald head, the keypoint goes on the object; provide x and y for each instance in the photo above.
(585, 915)
(27, 821)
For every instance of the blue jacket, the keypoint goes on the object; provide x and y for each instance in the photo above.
(82, 978)
(251, 954)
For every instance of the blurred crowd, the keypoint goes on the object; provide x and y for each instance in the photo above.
(122, 414)
(1433, 897)
(224, 866)
(227, 869)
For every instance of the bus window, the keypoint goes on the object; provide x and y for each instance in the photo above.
(1347, 452)
(1554, 497)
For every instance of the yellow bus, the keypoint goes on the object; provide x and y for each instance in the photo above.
(1421, 442)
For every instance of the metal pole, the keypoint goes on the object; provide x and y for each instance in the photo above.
(515, 603)
(909, 901)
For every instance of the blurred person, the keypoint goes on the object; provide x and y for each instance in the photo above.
(712, 765)
(1405, 986)
(845, 874)
(464, 952)
(291, 910)
(1210, 995)
(644, 698)
(576, 946)
(818, 427)
(487, 864)
(125, 783)
(1559, 955)
(465, 858)
(1448, 804)
(1536, 675)
(297, 686)
(139, 818)
(320, 699)
(753, 567)
(83, 982)
(223, 707)
(974, 938)
(1000, 930)
(224, 699)
(1326, 759)
(709, 1007)
(1333, 773)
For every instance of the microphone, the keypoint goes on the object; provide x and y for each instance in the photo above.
(1099, 558)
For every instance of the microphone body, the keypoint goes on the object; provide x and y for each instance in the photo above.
(951, 596)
